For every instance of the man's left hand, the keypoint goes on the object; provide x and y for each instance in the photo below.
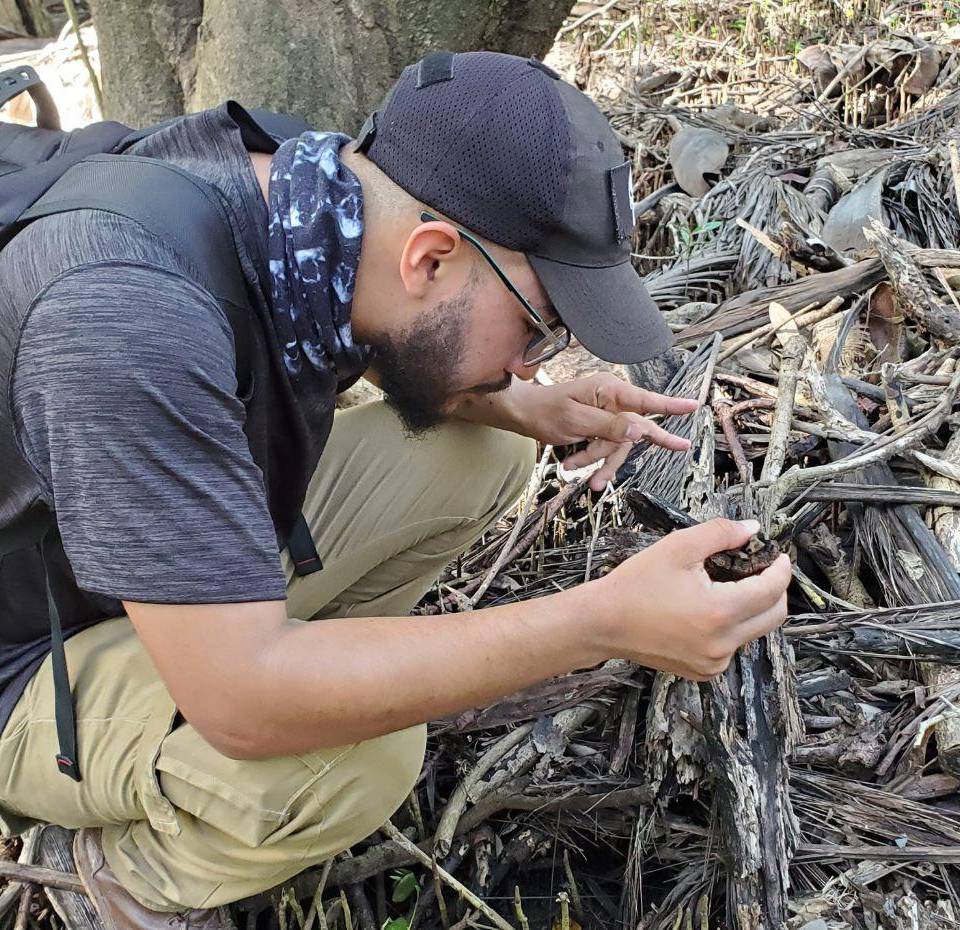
(608, 413)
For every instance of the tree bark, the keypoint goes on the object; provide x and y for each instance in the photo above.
(329, 61)
(33, 17)
(11, 20)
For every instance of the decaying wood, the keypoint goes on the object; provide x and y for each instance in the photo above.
(41, 876)
(940, 680)
(916, 297)
(744, 312)
(14, 889)
(73, 906)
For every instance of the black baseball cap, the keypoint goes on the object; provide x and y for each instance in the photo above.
(503, 146)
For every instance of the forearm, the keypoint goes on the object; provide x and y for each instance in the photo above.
(335, 682)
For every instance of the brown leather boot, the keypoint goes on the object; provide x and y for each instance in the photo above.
(118, 909)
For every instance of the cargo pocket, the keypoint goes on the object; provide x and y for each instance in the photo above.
(157, 728)
(247, 799)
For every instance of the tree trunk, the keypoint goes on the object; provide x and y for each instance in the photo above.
(27, 17)
(11, 20)
(329, 61)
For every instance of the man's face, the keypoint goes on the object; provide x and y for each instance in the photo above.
(468, 345)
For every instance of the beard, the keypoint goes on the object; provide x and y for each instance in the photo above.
(419, 368)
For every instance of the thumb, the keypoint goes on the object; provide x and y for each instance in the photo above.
(706, 539)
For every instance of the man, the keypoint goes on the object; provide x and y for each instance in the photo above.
(225, 743)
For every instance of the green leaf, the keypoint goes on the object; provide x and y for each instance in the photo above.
(405, 886)
(398, 923)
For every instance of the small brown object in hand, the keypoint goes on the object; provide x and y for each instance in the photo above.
(757, 554)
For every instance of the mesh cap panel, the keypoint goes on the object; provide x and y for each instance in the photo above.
(489, 148)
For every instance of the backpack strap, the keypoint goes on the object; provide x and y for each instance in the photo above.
(37, 528)
(175, 206)
(67, 759)
(168, 202)
(24, 78)
(302, 549)
(185, 211)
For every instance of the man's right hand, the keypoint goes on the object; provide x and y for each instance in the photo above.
(660, 608)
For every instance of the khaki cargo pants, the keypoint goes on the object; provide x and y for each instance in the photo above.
(183, 825)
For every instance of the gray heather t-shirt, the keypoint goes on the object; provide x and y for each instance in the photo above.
(124, 402)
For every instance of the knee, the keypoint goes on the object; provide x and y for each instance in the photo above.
(508, 461)
(362, 791)
(519, 456)
(388, 771)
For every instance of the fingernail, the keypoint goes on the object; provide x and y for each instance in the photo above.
(752, 525)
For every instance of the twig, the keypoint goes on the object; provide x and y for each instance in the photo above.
(410, 847)
(23, 911)
(577, 23)
(783, 412)
(881, 451)
(438, 891)
(805, 316)
(724, 412)
(40, 875)
(955, 168)
(777, 250)
(844, 71)
(572, 883)
(595, 521)
(316, 905)
(10, 894)
(518, 909)
(457, 804)
(564, 900)
(71, 9)
(536, 479)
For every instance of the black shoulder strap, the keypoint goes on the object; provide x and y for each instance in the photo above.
(262, 130)
(37, 528)
(174, 205)
(177, 207)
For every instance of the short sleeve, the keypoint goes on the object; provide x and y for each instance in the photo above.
(124, 401)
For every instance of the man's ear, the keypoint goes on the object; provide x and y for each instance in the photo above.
(433, 254)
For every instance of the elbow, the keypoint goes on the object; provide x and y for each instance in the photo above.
(241, 748)
(233, 737)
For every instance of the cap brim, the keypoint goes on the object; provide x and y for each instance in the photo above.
(607, 309)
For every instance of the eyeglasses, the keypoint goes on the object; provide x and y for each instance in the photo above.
(554, 336)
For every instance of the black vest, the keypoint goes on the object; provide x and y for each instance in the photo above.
(286, 431)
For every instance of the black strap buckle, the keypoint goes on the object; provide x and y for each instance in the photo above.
(68, 767)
